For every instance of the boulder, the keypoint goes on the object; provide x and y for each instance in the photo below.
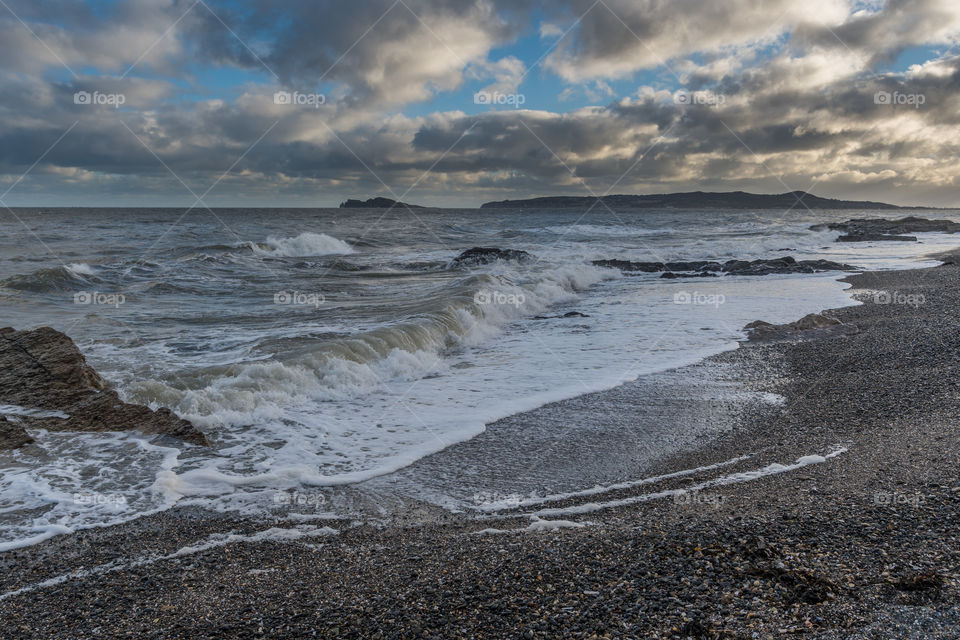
(43, 371)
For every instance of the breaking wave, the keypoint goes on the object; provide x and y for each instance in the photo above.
(304, 245)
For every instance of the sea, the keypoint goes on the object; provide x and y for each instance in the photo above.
(321, 348)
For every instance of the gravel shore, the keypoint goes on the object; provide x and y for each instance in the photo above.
(854, 535)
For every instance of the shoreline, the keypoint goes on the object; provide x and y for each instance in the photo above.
(799, 551)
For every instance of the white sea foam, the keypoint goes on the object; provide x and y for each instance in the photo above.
(306, 244)
(600, 489)
(733, 478)
(16, 410)
(607, 230)
(537, 526)
(80, 269)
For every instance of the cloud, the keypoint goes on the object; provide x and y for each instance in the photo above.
(792, 102)
(616, 38)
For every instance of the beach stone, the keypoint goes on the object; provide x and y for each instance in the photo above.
(42, 369)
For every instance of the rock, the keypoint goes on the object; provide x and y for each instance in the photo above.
(876, 237)
(486, 255)
(703, 274)
(568, 314)
(12, 435)
(701, 269)
(813, 322)
(874, 229)
(43, 371)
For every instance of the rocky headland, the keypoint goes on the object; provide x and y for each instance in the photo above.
(799, 200)
(377, 203)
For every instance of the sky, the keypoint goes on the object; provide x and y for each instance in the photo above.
(305, 103)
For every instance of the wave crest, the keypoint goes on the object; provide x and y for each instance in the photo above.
(302, 246)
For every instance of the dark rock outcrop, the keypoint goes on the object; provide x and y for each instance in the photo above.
(875, 237)
(568, 314)
(486, 255)
(813, 324)
(877, 229)
(699, 269)
(672, 275)
(377, 203)
(43, 371)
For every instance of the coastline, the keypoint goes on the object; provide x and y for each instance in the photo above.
(864, 541)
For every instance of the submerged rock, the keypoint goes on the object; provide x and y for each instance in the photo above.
(486, 255)
(43, 371)
(699, 269)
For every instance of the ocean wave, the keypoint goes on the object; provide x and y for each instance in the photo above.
(473, 311)
(63, 278)
(606, 230)
(302, 246)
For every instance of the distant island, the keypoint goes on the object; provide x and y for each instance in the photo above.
(696, 200)
(377, 203)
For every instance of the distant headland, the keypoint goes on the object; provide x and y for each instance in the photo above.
(377, 203)
(696, 200)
